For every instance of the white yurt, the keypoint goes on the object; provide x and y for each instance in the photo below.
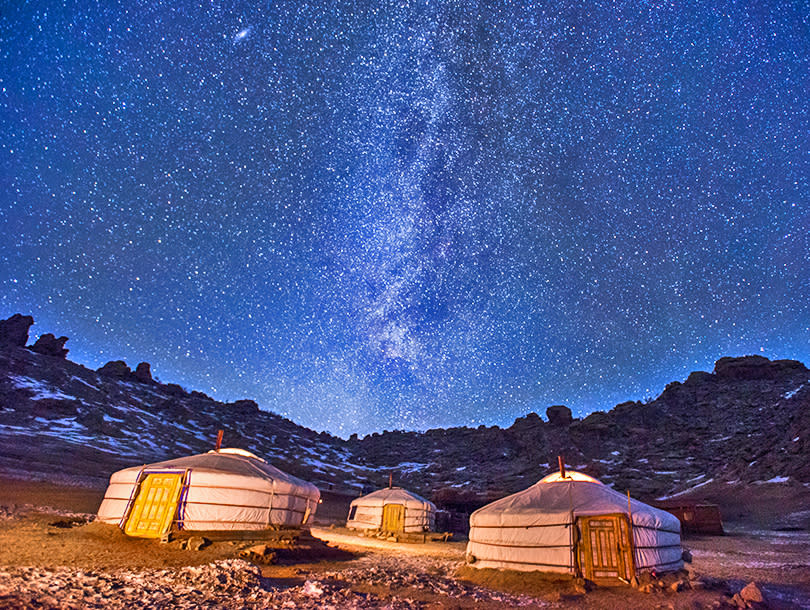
(569, 522)
(392, 509)
(227, 489)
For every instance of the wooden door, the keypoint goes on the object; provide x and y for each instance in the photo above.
(605, 547)
(393, 519)
(155, 505)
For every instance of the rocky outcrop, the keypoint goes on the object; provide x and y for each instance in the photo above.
(117, 369)
(143, 373)
(749, 368)
(49, 345)
(559, 415)
(14, 330)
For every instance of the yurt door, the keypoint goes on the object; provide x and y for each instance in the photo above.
(155, 505)
(393, 518)
(605, 549)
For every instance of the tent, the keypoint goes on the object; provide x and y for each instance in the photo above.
(392, 509)
(228, 489)
(571, 523)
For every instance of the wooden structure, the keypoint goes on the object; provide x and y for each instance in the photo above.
(696, 517)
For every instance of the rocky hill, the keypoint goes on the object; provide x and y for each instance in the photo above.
(747, 422)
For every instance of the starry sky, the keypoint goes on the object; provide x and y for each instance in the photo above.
(404, 215)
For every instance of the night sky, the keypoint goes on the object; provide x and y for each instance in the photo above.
(372, 216)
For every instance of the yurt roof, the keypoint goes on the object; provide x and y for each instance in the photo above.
(227, 461)
(554, 501)
(392, 495)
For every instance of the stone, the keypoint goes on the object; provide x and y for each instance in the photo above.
(259, 549)
(260, 553)
(49, 345)
(143, 373)
(14, 330)
(752, 594)
(559, 415)
(115, 368)
(196, 543)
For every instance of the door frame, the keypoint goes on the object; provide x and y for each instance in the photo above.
(624, 550)
(179, 495)
(400, 510)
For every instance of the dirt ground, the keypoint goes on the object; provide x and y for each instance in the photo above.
(53, 556)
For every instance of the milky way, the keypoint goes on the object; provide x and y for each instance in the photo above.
(408, 215)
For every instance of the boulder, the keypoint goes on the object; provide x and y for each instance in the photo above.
(559, 415)
(116, 368)
(699, 377)
(14, 330)
(196, 543)
(49, 345)
(143, 373)
(752, 594)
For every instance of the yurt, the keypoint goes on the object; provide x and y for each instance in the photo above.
(569, 522)
(392, 509)
(227, 489)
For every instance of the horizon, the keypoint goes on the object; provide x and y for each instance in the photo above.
(409, 216)
(540, 411)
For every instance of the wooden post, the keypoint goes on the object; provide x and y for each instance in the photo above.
(219, 439)
(632, 541)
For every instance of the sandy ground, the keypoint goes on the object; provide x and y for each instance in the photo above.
(53, 556)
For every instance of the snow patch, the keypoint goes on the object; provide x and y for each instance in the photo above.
(792, 393)
(773, 480)
(41, 390)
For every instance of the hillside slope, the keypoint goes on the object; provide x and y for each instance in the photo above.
(745, 423)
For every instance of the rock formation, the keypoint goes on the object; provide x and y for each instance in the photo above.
(116, 368)
(49, 345)
(559, 415)
(14, 330)
(143, 373)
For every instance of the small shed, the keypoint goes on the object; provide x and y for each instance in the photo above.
(392, 509)
(569, 522)
(227, 489)
(696, 517)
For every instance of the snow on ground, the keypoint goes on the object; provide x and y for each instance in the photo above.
(792, 393)
(411, 466)
(773, 480)
(41, 390)
(83, 382)
(688, 489)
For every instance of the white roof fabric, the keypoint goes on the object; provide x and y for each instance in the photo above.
(225, 490)
(531, 530)
(366, 512)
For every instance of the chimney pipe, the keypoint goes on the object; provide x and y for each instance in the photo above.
(561, 462)
(219, 439)
(390, 480)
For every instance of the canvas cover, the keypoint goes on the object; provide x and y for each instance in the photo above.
(366, 512)
(225, 490)
(532, 529)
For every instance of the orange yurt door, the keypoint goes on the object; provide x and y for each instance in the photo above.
(605, 547)
(155, 505)
(393, 519)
